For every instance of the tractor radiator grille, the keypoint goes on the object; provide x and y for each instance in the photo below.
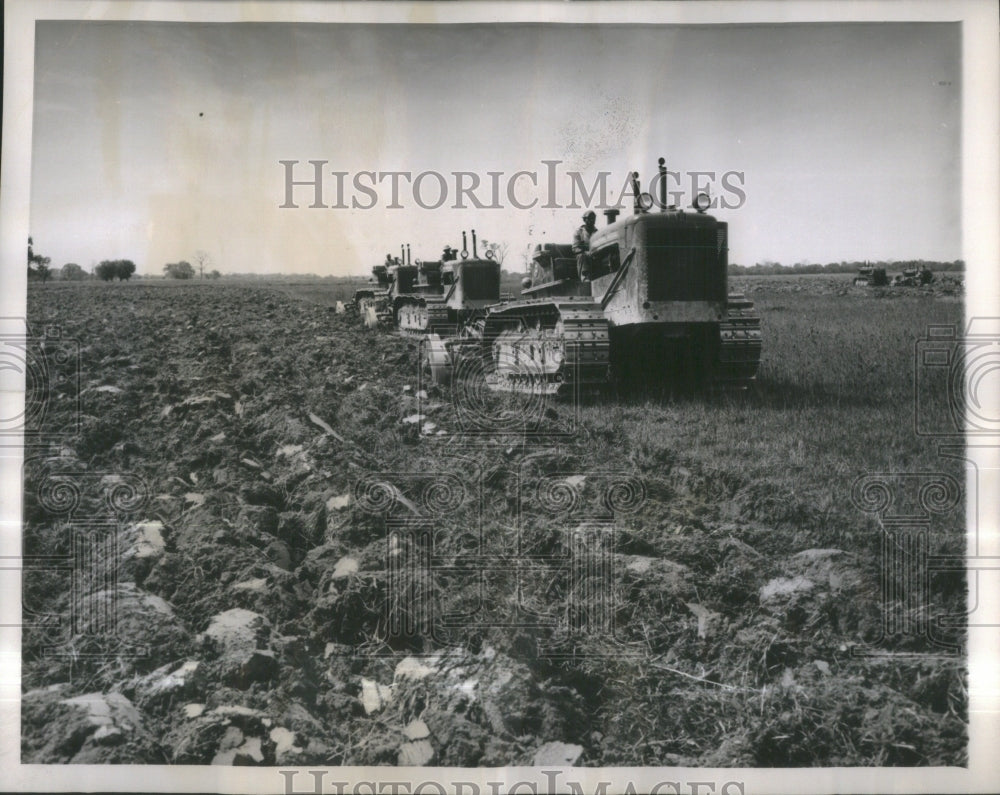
(684, 263)
(481, 284)
(405, 279)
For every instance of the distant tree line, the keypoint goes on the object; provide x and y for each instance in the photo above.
(111, 269)
(770, 268)
(108, 270)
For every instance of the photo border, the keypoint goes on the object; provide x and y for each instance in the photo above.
(981, 252)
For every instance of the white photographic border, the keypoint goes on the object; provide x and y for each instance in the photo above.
(980, 202)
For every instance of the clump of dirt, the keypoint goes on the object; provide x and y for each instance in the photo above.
(93, 728)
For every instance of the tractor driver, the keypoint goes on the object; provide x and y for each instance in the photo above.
(581, 245)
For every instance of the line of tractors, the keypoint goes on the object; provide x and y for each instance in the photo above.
(870, 276)
(654, 308)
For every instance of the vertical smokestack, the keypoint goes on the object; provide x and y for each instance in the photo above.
(407, 253)
(636, 192)
(663, 185)
(465, 246)
(475, 253)
(402, 254)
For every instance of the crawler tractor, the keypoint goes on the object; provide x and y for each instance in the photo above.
(914, 277)
(372, 302)
(468, 287)
(869, 276)
(399, 282)
(656, 309)
(411, 285)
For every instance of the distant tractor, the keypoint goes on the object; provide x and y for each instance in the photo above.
(655, 309)
(469, 286)
(869, 276)
(914, 277)
(908, 278)
(372, 302)
(397, 280)
(453, 322)
(411, 285)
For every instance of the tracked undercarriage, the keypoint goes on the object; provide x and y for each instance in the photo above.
(373, 307)
(420, 315)
(547, 347)
(739, 344)
(550, 348)
(372, 303)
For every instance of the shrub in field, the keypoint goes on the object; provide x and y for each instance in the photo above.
(179, 270)
(109, 270)
(105, 271)
(41, 271)
(71, 272)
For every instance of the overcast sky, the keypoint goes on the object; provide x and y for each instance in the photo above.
(154, 140)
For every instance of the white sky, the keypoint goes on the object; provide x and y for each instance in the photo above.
(848, 135)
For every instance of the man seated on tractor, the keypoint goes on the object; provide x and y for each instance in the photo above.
(581, 245)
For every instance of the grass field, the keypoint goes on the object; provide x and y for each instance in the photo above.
(675, 582)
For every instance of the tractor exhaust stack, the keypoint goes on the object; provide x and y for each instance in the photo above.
(663, 185)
